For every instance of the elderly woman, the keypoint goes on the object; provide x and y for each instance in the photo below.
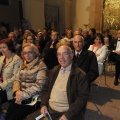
(9, 65)
(28, 83)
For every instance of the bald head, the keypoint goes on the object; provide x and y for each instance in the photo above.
(65, 55)
(78, 43)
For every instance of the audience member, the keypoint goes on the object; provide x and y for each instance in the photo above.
(106, 33)
(19, 36)
(98, 48)
(9, 65)
(26, 33)
(115, 57)
(85, 59)
(49, 52)
(17, 46)
(86, 37)
(108, 44)
(27, 84)
(46, 38)
(92, 33)
(69, 35)
(66, 90)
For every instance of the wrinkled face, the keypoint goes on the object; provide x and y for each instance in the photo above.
(97, 40)
(118, 33)
(78, 43)
(28, 54)
(4, 49)
(64, 56)
(29, 39)
(54, 36)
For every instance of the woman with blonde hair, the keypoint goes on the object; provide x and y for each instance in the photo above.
(28, 84)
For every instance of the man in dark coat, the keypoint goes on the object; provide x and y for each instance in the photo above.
(115, 57)
(66, 91)
(49, 52)
(85, 59)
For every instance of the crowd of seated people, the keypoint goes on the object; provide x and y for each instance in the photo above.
(22, 52)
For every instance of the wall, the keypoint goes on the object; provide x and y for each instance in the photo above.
(61, 5)
(34, 13)
(10, 14)
(80, 13)
(87, 12)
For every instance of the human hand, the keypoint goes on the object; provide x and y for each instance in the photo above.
(63, 117)
(18, 97)
(118, 52)
(43, 110)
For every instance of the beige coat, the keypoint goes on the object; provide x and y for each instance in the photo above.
(10, 69)
(31, 78)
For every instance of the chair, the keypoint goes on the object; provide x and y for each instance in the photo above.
(102, 69)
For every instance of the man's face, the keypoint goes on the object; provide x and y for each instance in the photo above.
(12, 37)
(54, 36)
(78, 43)
(64, 56)
(118, 33)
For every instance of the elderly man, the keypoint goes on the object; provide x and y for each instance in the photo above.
(85, 59)
(66, 91)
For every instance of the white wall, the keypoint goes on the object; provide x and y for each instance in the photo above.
(80, 13)
(33, 11)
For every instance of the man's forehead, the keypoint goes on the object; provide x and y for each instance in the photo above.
(62, 49)
(78, 39)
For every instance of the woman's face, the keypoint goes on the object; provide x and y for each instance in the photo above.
(4, 49)
(97, 40)
(28, 54)
(29, 39)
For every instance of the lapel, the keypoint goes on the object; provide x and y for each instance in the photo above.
(82, 57)
(10, 60)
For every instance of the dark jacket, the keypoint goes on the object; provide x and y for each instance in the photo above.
(50, 55)
(87, 61)
(77, 91)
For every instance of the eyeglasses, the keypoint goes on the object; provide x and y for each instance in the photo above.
(28, 53)
(63, 54)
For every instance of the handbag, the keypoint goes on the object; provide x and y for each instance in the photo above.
(27, 101)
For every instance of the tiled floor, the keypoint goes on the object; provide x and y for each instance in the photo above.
(105, 103)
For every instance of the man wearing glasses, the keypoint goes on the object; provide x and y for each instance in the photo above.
(66, 91)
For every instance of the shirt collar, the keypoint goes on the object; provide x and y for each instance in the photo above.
(78, 52)
(68, 68)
